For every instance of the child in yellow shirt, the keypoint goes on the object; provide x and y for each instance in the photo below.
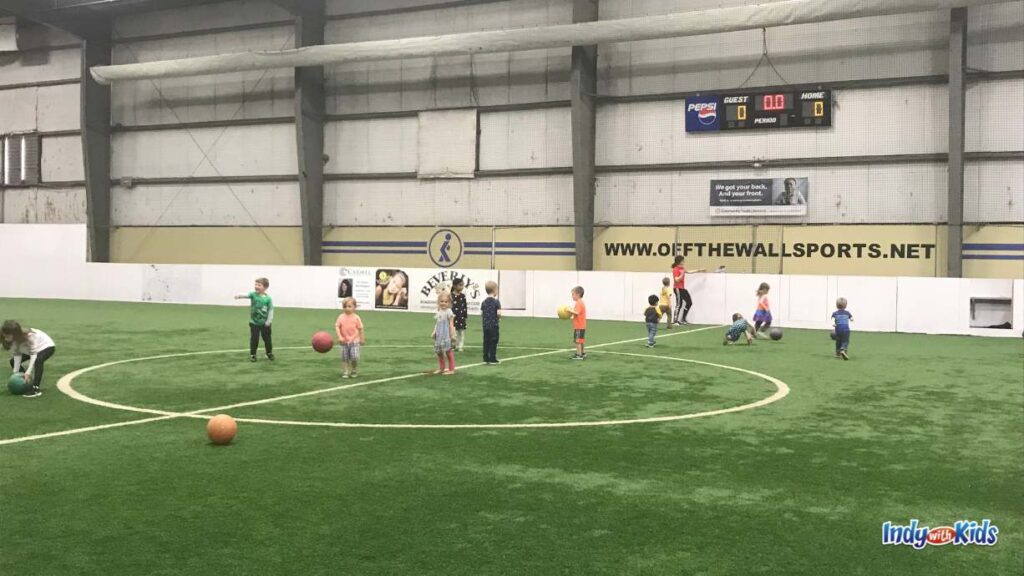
(665, 302)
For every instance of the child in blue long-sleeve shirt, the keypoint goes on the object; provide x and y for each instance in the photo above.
(841, 319)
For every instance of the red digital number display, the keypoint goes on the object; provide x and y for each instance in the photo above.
(773, 102)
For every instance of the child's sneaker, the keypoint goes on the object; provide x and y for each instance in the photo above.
(353, 374)
(345, 375)
(252, 358)
(650, 344)
(270, 356)
(842, 354)
(33, 392)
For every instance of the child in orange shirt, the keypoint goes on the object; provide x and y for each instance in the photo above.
(349, 328)
(579, 323)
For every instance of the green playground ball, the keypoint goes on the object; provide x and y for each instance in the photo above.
(17, 384)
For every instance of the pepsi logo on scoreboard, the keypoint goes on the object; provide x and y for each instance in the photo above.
(702, 114)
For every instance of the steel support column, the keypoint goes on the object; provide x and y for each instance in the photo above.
(957, 98)
(582, 95)
(95, 119)
(309, 130)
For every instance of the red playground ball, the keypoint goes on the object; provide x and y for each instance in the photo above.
(221, 429)
(322, 342)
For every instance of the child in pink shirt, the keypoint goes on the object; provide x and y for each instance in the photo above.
(349, 328)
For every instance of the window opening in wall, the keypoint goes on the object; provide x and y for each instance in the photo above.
(992, 313)
(20, 159)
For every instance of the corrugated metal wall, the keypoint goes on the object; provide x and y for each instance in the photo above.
(371, 160)
(39, 92)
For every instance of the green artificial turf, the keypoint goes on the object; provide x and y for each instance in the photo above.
(926, 427)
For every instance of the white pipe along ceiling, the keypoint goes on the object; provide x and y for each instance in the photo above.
(694, 23)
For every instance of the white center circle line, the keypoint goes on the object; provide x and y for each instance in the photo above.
(781, 391)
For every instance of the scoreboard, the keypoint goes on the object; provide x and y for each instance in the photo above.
(716, 113)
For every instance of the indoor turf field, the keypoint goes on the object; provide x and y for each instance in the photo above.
(800, 485)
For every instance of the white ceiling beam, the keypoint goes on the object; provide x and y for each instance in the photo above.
(772, 14)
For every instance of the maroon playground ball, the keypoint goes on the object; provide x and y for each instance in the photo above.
(322, 342)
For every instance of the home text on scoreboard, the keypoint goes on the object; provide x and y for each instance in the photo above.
(801, 109)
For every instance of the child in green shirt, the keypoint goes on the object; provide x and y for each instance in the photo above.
(261, 315)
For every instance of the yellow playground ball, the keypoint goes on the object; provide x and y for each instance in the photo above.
(564, 312)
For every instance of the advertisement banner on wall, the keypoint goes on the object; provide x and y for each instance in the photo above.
(382, 288)
(759, 197)
(861, 250)
(391, 290)
(409, 289)
(431, 283)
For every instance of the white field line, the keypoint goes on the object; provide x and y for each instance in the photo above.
(64, 385)
(81, 430)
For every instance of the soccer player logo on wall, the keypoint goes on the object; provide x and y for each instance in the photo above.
(392, 290)
(445, 248)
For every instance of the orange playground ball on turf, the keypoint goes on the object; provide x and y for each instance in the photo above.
(322, 342)
(221, 429)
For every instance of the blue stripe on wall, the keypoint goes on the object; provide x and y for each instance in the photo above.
(538, 245)
(415, 244)
(993, 257)
(519, 253)
(358, 251)
(1008, 247)
(421, 252)
(376, 243)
